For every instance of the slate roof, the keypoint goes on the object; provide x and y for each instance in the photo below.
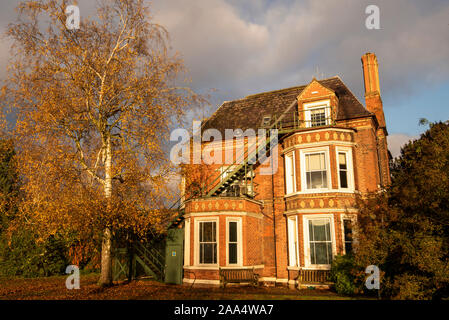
(249, 112)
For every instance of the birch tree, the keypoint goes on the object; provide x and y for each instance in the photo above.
(94, 108)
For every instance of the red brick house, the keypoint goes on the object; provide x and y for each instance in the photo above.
(331, 149)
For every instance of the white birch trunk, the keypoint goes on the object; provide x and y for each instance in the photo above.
(106, 246)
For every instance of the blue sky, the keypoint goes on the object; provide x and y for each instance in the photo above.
(233, 48)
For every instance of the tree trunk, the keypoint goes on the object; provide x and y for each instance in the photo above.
(106, 258)
(106, 245)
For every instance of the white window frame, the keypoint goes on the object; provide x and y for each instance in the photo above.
(353, 219)
(303, 153)
(197, 241)
(290, 176)
(316, 105)
(293, 241)
(349, 170)
(187, 242)
(306, 219)
(239, 242)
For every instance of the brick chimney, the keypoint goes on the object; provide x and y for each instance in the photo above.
(374, 104)
(372, 88)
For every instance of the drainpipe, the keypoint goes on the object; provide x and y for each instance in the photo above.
(274, 223)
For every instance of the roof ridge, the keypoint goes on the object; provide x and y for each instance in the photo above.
(271, 91)
(285, 89)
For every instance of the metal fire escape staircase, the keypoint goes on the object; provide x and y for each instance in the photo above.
(150, 259)
(246, 163)
(240, 169)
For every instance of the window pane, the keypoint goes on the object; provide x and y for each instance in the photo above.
(321, 230)
(315, 162)
(208, 253)
(316, 173)
(208, 232)
(232, 253)
(347, 227)
(321, 253)
(320, 241)
(343, 170)
(342, 160)
(317, 117)
(289, 175)
(348, 247)
(232, 231)
(343, 179)
(316, 179)
(208, 245)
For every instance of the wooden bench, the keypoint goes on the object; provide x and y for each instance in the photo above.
(312, 277)
(238, 276)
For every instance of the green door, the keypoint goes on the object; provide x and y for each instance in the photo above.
(174, 258)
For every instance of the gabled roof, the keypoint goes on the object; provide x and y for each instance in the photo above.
(248, 113)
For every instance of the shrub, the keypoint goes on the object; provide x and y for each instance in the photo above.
(23, 256)
(344, 275)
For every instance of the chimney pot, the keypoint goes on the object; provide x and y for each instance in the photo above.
(371, 73)
(373, 100)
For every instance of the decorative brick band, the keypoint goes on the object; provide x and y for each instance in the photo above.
(222, 204)
(319, 136)
(330, 202)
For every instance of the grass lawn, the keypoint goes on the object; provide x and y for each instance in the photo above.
(54, 288)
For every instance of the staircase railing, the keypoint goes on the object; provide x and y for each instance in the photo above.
(152, 257)
(221, 182)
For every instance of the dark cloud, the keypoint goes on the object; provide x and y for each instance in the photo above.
(289, 42)
(243, 47)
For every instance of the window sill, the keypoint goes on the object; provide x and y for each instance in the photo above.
(320, 191)
(243, 267)
(318, 267)
(203, 267)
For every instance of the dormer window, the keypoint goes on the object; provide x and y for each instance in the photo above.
(318, 117)
(266, 121)
(317, 113)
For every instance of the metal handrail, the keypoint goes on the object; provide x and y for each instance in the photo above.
(151, 256)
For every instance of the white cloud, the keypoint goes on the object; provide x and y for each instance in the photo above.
(396, 141)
